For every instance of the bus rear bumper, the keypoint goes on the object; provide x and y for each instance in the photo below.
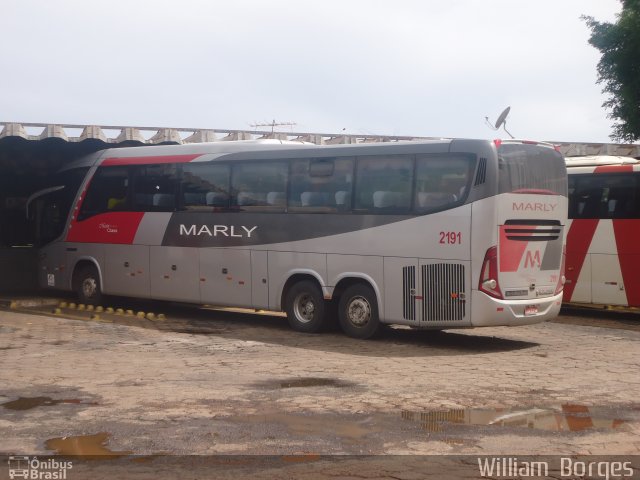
(488, 311)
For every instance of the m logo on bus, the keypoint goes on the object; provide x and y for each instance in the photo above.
(217, 230)
(532, 260)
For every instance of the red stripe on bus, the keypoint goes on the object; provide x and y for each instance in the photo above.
(511, 251)
(613, 169)
(626, 233)
(107, 162)
(578, 242)
(111, 227)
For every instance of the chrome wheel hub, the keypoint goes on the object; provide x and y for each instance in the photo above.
(89, 287)
(304, 308)
(359, 311)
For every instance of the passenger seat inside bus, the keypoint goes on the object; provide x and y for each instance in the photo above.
(276, 199)
(191, 198)
(341, 197)
(313, 199)
(435, 199)
(164, 200)
(588, 204)
(248, 199)
(388, 200)
(216, 199)
(617, 205)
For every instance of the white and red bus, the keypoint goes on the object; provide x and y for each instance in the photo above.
(603, 251)
(435, 234)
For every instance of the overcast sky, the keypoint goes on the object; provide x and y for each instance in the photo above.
(397, 67)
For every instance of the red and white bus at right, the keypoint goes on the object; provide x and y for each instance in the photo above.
(603, 250)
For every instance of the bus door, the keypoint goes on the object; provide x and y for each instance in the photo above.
(47, 213)
(225, 276)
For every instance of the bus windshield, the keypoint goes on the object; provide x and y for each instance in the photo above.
(530, 168)
(48, 210)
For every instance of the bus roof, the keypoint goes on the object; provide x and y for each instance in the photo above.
(598, 160)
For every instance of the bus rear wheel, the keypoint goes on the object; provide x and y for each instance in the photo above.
(305, 307)
(358, 312)
(88, 288)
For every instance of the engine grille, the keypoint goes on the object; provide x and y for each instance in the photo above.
(443, 292)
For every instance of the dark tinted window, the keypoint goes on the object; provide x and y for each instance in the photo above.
(48, 215)
(383, 184)
(155, 188)
(205, 186)
(108, 191)
(442, 181)
(531, 168)
(259, 187)
(604, 196)
(321, 185)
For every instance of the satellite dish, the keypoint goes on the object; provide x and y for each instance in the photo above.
(501, 121)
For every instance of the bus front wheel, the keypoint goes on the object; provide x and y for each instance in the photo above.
(88, 287)
(358, 312)
(305, 307)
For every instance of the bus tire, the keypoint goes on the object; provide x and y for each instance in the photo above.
(358, 312)
(88, 286)
(305, 307)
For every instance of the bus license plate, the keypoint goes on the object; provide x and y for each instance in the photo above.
(531, 310)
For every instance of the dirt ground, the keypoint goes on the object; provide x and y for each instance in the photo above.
(234, 386)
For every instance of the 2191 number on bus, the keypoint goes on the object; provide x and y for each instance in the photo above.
(450, 238)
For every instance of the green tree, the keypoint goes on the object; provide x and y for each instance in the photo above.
(619, 68)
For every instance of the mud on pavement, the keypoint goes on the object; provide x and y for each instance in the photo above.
(220, 382)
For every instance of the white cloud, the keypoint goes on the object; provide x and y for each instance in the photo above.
(405, 67)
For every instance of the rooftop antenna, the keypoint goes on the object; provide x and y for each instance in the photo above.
(273, 124)
(501, 121)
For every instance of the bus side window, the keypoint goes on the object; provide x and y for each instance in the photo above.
(442, 181)
(205, 187)
(588, 199)
(383, 184)
(108, 191)
(321, 185)
(155, 188)
(621, 198)
(259, 187)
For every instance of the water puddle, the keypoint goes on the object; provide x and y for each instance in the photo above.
(567, 418)
(313, 426)
(92, 447)
(27, 403)
(311, 382)
(304, 382)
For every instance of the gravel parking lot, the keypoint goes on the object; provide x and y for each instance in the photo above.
(211, 382)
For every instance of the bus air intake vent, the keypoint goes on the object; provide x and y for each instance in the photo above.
(443, 291)
(532, 230)
(408, 293)
(481, 174)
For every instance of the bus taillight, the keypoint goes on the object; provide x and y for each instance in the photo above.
(562, 279)
(489, 274)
